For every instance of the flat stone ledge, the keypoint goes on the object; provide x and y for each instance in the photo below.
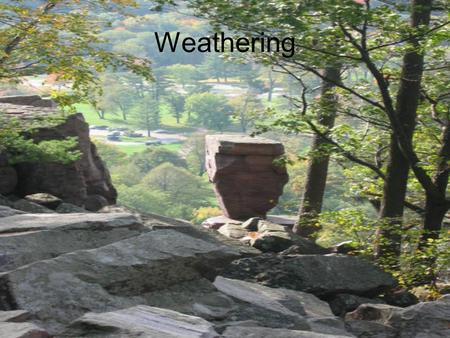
(229, 144)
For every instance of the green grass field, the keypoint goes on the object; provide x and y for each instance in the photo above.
(168, 121)
(114, 121)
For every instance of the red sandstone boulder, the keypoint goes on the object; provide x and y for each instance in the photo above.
(246, 180)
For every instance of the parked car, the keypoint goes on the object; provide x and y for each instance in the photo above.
(133, 134)
(121, 129)
(163, 131)
(113, 137)
(171, 141)
(98, 127)
(153, 143)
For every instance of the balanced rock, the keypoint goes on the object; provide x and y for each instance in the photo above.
(247, 181)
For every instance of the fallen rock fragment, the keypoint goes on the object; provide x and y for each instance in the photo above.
(17, 316)
(280, 308)
(7, 211)
(22, 330)
(342, 303)
(68, 208)
(31, 207)
(428, 319)
(138, 322)
(288, 302)
(232, 230)
(265, 332)
(47, 200)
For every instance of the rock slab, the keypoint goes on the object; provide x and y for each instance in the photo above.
(265, 332)
(322, 275)
(140, 322)
(22, 330)
(27, 238)
(280, 308)
(57, 291)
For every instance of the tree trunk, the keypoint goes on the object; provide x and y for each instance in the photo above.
(316, 179)
(124, 112)
(437, 206)
(271, 85)
(243, 113)
(388, 242)
(392, 204)
(101, 114)
(434, 215)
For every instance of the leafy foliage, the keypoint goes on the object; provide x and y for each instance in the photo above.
(19, 148)
(209, 110)
(62, 38)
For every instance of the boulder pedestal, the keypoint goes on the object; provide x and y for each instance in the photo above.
(247, 179)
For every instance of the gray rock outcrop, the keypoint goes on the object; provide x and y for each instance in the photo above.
(116, 274)
(74, 182)
(322, 275)
(57, 291)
